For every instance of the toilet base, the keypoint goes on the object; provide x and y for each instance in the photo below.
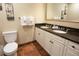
(11, 55)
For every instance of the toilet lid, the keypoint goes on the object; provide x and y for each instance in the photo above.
(10, 47)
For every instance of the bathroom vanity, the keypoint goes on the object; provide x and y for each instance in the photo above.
(62, 42)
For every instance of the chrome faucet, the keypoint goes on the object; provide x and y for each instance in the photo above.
(67, 30)
(55, 27)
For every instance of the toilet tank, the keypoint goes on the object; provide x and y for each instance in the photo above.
(10, 36)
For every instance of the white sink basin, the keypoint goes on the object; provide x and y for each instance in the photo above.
(44, 27)
(59, 31)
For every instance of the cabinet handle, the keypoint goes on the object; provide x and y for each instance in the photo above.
(51, 42)
(73, 46)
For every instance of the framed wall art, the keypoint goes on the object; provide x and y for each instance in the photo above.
(9, 11)
(0, 6)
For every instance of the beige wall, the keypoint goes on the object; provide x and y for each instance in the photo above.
(73, 11)
(54, 10)
(72, 15)
(2, 43)
(35, 10)
(64, 23)
(25, 34)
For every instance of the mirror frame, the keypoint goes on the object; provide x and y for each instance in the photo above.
(56, 19)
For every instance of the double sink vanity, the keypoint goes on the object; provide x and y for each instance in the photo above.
(58, 40)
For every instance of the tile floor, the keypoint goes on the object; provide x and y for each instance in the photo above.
(31, 49)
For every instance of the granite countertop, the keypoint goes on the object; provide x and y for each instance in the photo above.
(69, 36)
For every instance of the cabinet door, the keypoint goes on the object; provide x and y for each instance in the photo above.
(40, 37)
(43, 38)
(71, 52)
(48, 44)
(37, 35)
(72, 49)
(52, 44)
(57, 49)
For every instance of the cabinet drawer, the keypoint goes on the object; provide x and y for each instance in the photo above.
(48, 35)
(55, 37)
(73, 45)
(71, 52)
(59, 39)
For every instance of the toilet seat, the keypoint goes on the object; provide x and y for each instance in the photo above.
(10, 47)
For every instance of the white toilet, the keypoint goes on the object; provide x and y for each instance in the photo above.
(10, 49)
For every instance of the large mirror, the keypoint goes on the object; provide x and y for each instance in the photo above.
(62, 11)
